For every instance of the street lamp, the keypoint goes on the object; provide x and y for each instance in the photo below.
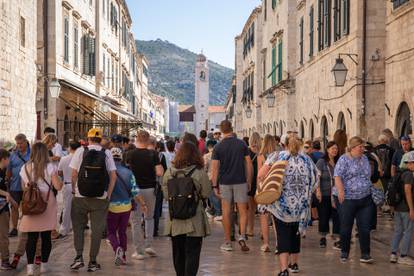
(270, 100)
(54, 88)
(105, 108)
(249, 112)
(339, 71)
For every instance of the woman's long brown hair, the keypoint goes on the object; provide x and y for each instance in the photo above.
(188, 155)
(39, 158)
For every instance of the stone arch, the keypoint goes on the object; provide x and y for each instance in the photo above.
(302, 130)
(311, 130)
(341, 123)
(280, 128)
(269, 128)
(324, 131)
(403, 123)
(275, 128)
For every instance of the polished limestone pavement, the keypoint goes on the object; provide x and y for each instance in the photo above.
(313, 260)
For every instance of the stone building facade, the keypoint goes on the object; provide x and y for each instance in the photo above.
(299, 93)
(17, 69)
(89, 49)
(399, 99)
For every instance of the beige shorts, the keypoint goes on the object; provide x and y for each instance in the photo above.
(236, 193)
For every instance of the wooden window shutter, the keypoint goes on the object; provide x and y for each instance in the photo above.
(280, 69)
(85, 56)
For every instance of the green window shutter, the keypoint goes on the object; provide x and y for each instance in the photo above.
(280, 62)
(66, 39)
(91, 59)
(320, 25)
(274, 4)
(85, 57)
(273, 65)
(345, 17)
(301, 41)
(311, 31)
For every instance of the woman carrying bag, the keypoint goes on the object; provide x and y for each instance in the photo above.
(187, 234)
(39, 176)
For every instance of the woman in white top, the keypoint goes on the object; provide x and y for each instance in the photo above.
(40, 170)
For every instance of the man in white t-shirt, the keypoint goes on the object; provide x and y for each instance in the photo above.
(94, 207)
(65, 171)
(57, 149)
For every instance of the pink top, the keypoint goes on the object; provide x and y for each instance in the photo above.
(47, 220)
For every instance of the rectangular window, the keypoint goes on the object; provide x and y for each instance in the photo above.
(108, 79)
(112, 76)
(311, 31)
(103, 69)
(345, 17)
(397, 3)
(76, 46)
(280, 62)
(22, 31)
(66, 39)
(103, 8)
(320, 25)
(251, 85)
(274, 4)
(337, 19)
(252, 35)
(88, 47)
(265, 10)
(327, 23)
(108, 11)
(273, 65)
(301, 41)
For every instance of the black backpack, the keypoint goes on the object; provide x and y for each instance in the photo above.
(384, 155)
(93, 178)
(396, 190)
(183, 197)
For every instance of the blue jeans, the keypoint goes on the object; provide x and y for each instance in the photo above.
(215, 204)
(363, 211)
(403, 231)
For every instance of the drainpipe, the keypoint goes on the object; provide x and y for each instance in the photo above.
(45, 58)
(364, 62)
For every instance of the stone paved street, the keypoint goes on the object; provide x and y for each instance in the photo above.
(314, 261)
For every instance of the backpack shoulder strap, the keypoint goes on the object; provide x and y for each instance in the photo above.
(85, 151)
(190, 173)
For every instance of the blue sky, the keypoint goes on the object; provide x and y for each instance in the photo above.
(210, 25)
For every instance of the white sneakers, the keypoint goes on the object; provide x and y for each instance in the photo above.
(44, 268)
(227, 246)
(138, 256)
(218, 218)
(141, 255)
(406, 261)
(151, 252)
(401, 260)
(30, 270)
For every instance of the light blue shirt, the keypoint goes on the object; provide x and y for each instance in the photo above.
(355, 174)
(15, 165)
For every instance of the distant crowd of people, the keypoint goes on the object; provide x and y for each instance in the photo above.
(109, 183)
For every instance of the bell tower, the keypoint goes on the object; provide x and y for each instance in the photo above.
(201, 102)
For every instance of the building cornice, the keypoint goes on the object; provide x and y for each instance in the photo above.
(76, 14)
(67, 5)
(251, 18)
(276, 35)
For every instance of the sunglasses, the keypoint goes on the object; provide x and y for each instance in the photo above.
(306, 147)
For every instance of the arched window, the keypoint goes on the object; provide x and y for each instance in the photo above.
(269, 128)
(302, 130)
(341, 121)
(403, 124)
(311, 130)
(324, 131)
(275, 128)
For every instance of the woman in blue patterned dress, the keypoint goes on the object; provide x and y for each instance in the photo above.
(352, 181)
(292, 210)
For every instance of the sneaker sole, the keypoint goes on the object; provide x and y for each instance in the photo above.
(77, 267)
(366, 261)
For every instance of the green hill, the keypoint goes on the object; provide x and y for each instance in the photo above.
(172, 72)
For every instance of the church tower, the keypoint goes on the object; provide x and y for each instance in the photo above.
(201, 94)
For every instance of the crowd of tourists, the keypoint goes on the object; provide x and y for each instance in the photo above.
(110, 183)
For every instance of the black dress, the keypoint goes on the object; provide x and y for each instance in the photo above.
(253, 157)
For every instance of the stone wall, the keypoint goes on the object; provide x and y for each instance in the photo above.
(17, 69)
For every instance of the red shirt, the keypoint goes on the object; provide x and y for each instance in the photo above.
(202, 146)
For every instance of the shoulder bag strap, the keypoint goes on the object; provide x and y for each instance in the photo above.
(50, 188)
(20, 157)
(330, 174)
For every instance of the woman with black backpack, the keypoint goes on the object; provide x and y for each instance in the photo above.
(187, 223)
(39, 204)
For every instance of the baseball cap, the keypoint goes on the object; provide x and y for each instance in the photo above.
(216, 130)
(94, 132)
(116, 153)
(117, 138)
(405, 138)
(409, 157)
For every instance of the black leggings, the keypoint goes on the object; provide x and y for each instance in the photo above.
(46, 237)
